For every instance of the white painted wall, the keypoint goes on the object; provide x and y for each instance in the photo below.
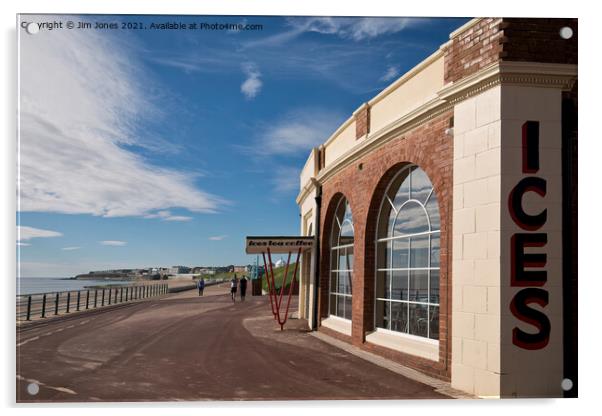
(306, 283)
(535, 373)
(487, 165)
(476, 245)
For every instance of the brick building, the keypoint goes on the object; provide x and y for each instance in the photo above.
(444, 211)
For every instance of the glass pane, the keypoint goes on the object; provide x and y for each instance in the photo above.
(345, 282)
(349, 263)
(387, 294)
(411, 220)
(383, 254)
(418, 320)
(333, 281)
(333, 305)
(432, 208)
(419, 285)
(434, 322)
(435, 249)
(347, 215)
(419, 251)
(382, 287)
(342, 261)
(402, 191)
(334, 237)
(434, 287)
(400, 253)
(421, 185)
(390, 224)
(346, 240)
(348, 309)
(350, 282)
(341, 282)
(334, 259)
(382, 313)
(346, 231)
(399, 317)
(399, 285)
(340, 306)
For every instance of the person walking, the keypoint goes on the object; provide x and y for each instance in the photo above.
(233, 287)
(243, 288)
(201, 286)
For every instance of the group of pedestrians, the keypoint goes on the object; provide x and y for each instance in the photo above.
(234, 283)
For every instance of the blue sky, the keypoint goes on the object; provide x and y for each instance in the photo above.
(166, 147)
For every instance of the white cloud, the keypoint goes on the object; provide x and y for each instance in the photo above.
(165, 215)
(218, 237)
(82, 98)
(178, 218)
(352, 28)
(115, 243)
(252, 85)
(285, 179)
(70, 248)
(392, 72)
(297, 132)
(25, 233)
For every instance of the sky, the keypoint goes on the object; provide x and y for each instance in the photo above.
(149, 147)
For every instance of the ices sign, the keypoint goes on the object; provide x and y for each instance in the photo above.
(533, 278)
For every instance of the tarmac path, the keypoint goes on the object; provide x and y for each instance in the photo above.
(184, 347)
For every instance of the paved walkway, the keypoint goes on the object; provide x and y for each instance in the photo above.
(185, 347)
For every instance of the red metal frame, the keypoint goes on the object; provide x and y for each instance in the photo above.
(276, 298)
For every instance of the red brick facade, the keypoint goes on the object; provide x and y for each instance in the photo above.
(362, 122)
(509, 39)
(430, 148)
(473, 49)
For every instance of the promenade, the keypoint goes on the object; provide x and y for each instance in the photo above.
(183, 347)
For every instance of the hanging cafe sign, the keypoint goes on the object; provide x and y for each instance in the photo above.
(266, 246)
(282, 244)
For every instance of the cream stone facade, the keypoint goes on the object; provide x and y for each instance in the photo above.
(486, 111)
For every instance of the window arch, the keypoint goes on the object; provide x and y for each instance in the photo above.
(407, 253)
(341, 261)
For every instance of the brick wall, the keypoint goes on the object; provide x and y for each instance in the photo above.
(363, 183)
(509, 39)
(538, 40)
(473, 49)
(362, 122)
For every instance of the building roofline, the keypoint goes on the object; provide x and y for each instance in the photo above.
(465, 27)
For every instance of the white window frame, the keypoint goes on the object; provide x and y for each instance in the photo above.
(337, 271)
(406, 237)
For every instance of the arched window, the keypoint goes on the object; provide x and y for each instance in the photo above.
(407, 250)
(341, 261)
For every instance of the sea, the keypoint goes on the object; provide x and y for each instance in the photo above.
(32, 285)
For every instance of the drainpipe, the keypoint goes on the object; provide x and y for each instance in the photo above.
(316, 270)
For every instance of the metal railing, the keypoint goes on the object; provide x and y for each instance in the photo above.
(45, 305)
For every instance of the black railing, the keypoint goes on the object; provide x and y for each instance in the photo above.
(36, 306)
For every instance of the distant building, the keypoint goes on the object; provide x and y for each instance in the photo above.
(179, 270)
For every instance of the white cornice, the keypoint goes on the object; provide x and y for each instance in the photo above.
(510, 73)
(360, 109)
(307, 188)
(465, 27)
